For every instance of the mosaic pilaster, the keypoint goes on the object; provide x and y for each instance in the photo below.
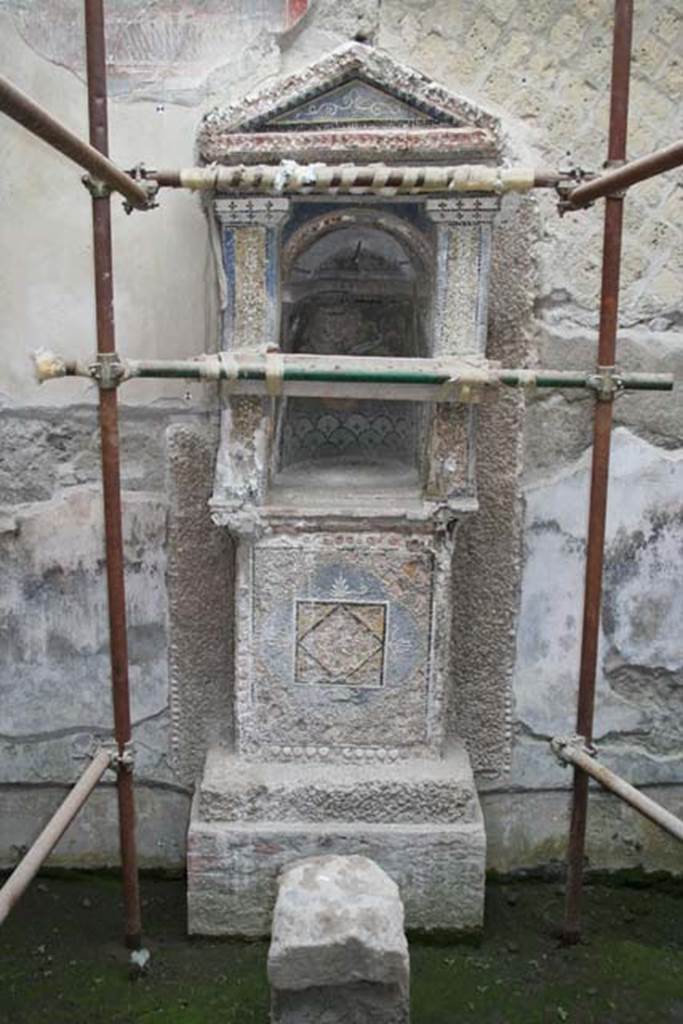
(463, 228)
(463, 253)
(250, 231)
(450, 463)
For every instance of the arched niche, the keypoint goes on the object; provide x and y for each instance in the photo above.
(354, 282)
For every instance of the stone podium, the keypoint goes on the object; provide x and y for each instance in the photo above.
(345, 513)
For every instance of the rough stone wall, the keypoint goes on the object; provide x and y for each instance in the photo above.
(543, 68)
(488, 548)
(200, 595)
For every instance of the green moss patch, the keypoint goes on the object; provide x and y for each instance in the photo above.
(62, 961)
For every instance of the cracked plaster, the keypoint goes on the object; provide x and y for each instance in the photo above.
(640, 660)
(54, 627)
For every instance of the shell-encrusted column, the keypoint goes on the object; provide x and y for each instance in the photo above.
(249, 230)
(463, 246)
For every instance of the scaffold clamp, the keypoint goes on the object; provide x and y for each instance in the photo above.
(571, 178)
(148, 185)
(108, 370)
(123, 760)
(606, 384)
(559, 743)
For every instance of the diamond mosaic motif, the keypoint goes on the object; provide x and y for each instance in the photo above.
(340, 643)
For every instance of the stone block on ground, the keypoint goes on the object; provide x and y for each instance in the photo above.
(338, 952)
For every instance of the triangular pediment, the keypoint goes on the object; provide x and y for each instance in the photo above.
(353, 103)
(352, 74)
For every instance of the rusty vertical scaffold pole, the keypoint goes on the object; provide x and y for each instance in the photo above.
(111, 483)
(602, 430)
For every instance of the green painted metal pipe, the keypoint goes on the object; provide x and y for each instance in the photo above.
(606, 382)
(297, 373)
(509, 378)
(580, 379)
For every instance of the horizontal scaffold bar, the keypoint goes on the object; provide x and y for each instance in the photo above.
(299, 374)
(289, 176)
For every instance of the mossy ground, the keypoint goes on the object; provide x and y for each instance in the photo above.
(61, 961)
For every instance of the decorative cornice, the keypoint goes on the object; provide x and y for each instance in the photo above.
(353, 60)
(360, 145)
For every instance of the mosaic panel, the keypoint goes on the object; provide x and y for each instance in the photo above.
(355, 102)
(340, 643)
(337, 642)
(313, 430)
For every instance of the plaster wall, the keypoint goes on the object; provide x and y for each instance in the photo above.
(544, 69)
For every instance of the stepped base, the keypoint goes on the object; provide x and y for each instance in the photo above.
(420, 821)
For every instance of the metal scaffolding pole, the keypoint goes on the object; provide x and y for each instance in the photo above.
(111, 483)
(602, 435)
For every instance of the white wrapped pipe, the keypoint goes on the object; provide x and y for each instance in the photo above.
(288, 176)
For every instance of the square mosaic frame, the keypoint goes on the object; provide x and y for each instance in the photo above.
(340, 643)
